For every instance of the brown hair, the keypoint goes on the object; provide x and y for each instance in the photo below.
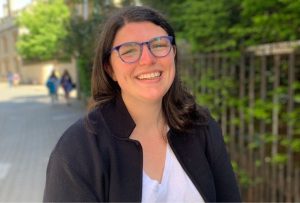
(179, 107)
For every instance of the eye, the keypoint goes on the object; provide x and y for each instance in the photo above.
(160, 43)
(129, 49)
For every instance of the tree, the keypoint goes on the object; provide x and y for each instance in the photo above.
(268, 21)
(82, 36)
(81, 39)
(45, 27)
(218, 25)
(204, 24)
(161, 5)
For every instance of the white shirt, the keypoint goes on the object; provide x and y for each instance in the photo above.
(175, 185)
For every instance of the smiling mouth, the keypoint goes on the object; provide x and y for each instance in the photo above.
(149, 76)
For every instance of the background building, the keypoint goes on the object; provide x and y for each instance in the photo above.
(10, 60)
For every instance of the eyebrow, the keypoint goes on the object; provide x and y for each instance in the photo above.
(114, 47)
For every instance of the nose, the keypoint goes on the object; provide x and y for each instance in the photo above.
(146, 56)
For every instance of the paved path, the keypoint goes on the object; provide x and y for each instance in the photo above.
(29, 128)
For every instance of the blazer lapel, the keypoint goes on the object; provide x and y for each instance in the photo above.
(190, 152)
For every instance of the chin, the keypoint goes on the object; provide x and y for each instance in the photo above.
(153, 98)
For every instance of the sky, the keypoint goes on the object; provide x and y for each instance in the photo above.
(20, 4)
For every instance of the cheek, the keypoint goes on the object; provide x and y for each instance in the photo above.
(172, 68)
(119, 73)
(173, 73)
(114, 74)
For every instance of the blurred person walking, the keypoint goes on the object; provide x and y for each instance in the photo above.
(16, 79)
(52, 85)
(10, 78)
(67, 85)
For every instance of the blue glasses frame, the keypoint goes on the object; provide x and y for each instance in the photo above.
(141, 45)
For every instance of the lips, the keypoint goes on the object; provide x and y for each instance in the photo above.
(149, 76)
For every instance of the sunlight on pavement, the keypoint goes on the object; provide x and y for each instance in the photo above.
(30, 126)
(19, 93)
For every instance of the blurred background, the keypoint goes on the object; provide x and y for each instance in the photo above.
(240, 58)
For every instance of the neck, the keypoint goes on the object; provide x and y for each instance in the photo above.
(146, 115)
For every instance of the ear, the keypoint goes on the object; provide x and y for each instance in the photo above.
(108, 69)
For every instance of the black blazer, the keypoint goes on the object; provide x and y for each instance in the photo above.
(103, 164)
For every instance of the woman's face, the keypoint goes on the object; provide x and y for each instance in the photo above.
(149, 78)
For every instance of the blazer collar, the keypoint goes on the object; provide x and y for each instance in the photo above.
(118, 118)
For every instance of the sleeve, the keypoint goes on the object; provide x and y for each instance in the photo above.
(65, 183)
(73, 171)
(225, 181)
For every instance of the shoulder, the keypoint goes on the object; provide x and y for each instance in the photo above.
(208, 124)
(76, 166)
(214, 131)
(80, 140)
(214, 127)
(209, 133)
(74, 140)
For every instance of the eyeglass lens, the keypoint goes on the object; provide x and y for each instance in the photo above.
(131, 52)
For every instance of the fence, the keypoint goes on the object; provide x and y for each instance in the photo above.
(256, 99)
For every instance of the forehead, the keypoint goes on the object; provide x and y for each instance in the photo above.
(138, 32)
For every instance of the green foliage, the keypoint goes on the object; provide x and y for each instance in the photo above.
(269, 138)
(162, 5)
(243, 176)
(271, 20)
(258, 163)
(214, 25)
(254, 145)
(296, 89)
(220, 87)
(221, 93)
(294, 144)
(218, 26)
(262, 110)
(226, 138)
(205, 23)
(279, 159)
(84, 76)
(81, 40)
(44, 24)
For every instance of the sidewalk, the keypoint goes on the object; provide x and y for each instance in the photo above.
(29, 128)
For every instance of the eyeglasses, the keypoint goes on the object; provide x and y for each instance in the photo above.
(130, 52)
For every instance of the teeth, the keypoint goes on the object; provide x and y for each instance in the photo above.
(149, 76)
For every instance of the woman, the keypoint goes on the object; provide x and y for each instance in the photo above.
(52, 85)
(67, 85)
(144, 139)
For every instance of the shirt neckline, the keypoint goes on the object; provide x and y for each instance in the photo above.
(166, 170)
